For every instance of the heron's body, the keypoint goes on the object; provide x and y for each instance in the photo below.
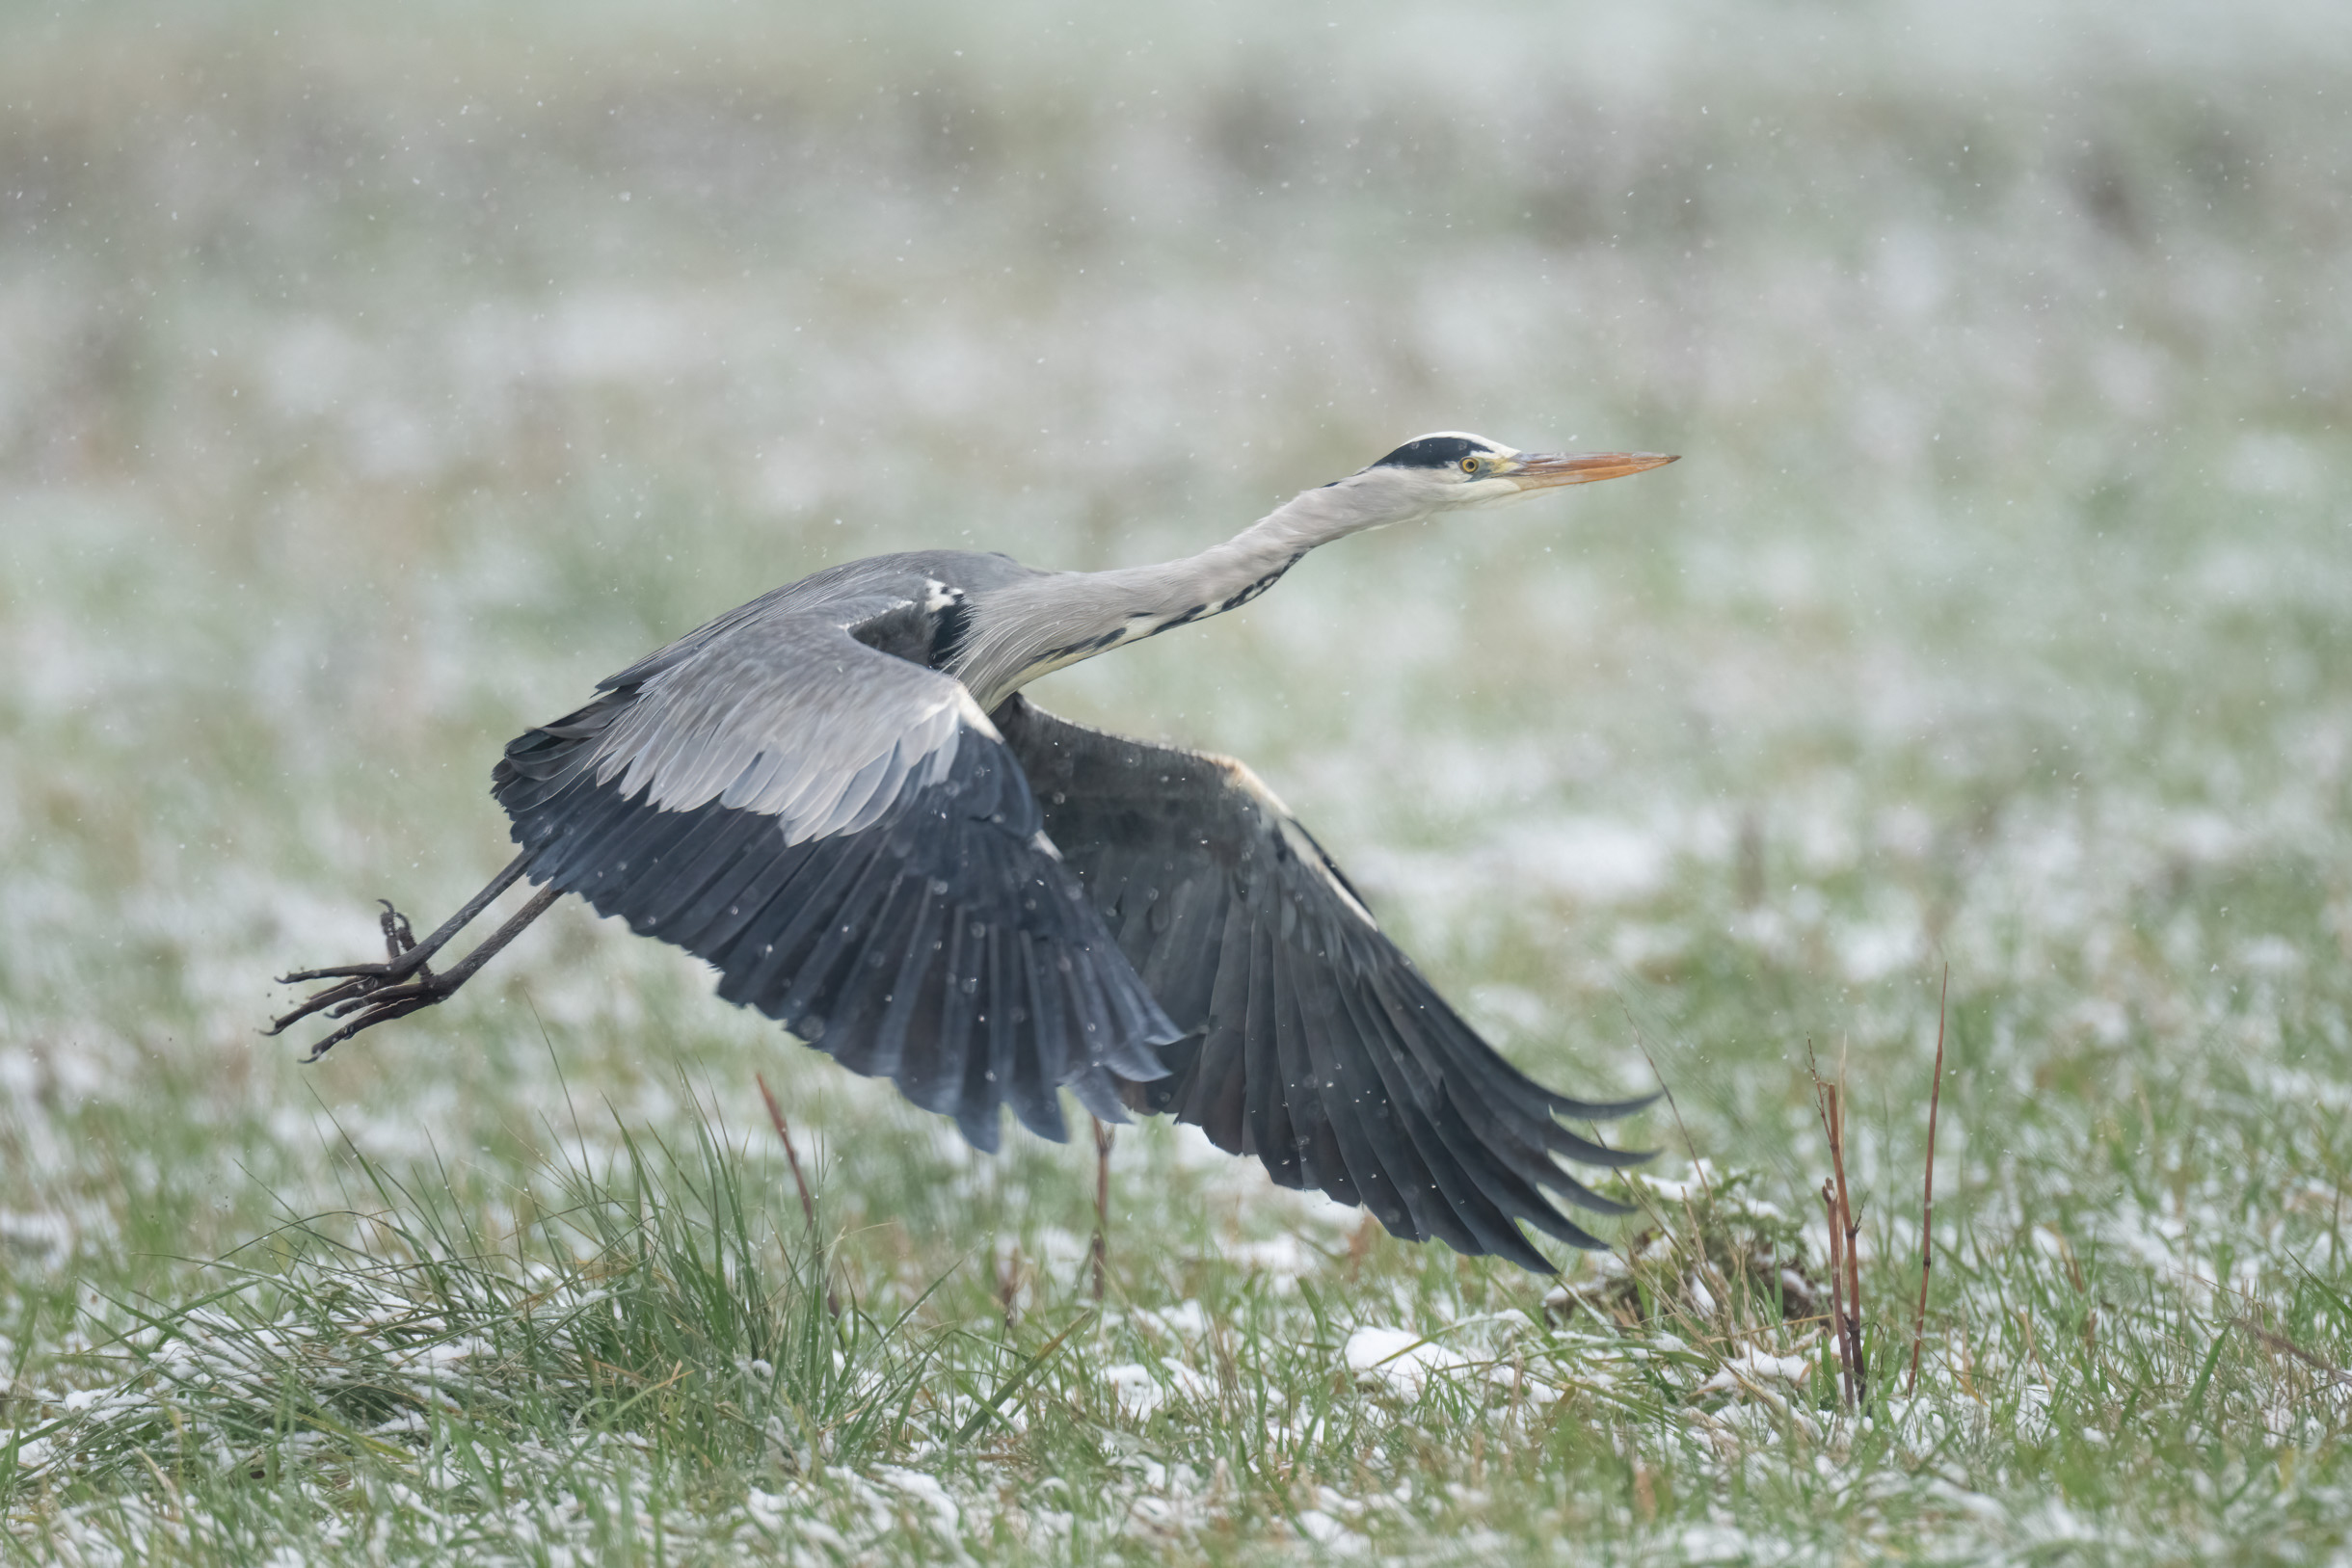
(838, 796)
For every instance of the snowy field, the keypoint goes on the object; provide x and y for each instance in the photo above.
(369, 389)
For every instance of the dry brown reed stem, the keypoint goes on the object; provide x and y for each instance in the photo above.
(1837, 1293)
(2288, 1347)
(1099, 1254)
(1845, 1237)
(775, 1116)
(1927, 1200)
(1854, 1261)
(808, 1201)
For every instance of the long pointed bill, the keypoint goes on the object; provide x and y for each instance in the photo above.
(1542, 472)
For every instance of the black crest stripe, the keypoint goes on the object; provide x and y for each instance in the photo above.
(1433, 452)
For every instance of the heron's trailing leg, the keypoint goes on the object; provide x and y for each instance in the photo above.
(402, 951)
(405, 983)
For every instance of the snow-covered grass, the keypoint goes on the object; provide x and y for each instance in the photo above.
(366, 392)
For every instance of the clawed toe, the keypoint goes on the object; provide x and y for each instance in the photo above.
(425, 988)
(377, 1011)
(366, 995)
(341, 971)
(367, 1000)
(399, 939)
(401, 984)
(325, 999)
(400, 959)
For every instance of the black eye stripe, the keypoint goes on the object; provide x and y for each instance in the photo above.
(1434, 452)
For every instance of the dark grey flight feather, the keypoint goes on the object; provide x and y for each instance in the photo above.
(883, 891)
(1311, 1041)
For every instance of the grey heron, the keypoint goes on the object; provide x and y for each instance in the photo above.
(838, 796)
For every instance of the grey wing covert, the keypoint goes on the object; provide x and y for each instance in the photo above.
(844, 837)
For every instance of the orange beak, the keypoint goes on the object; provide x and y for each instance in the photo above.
(1539, 472)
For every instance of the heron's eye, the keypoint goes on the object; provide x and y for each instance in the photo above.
(1469, 465)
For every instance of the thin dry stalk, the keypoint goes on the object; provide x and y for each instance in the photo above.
(1845, 1237)
(2288, 1347)
(775, 1116)
(1099, 1254)
(808, 1201)
(1853, 1266)
(1012, 1273)
(1837, 1292)
(1927, 1200)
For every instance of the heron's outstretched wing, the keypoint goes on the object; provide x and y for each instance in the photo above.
(1312, 1042)
(843, 834)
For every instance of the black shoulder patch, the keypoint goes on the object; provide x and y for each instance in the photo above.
(949, 627)
(903, 633)
(1433, 452)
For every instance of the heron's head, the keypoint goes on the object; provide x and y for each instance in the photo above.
(1452, 469)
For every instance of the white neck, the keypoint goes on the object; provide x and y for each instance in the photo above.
(1046, 622)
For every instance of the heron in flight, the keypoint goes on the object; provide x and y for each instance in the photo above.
(838, 796)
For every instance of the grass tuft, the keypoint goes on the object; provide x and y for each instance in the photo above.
(643, 1312)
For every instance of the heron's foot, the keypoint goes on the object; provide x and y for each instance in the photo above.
(400, 957)
(380, 1003)
(403, 982)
